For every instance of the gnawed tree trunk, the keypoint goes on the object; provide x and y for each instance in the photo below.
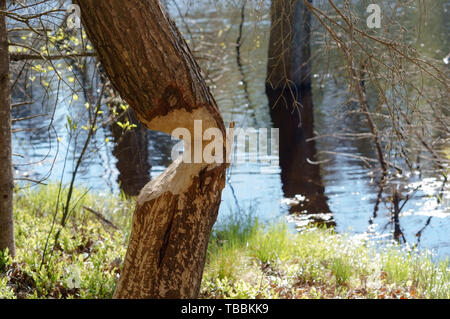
(6, 172)
(150, 65)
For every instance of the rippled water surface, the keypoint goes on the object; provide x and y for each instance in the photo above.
(348, 191)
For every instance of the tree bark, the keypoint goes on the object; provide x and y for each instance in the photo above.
(289, 45)
(6, 171)
(151, 66)
(288, 88)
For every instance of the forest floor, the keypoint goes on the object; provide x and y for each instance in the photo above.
(246, 259)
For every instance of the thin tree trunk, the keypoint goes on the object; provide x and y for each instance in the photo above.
(131, 152)
(6, 172)
(289, 46)
(150, 65)
(130, 146)
(288, 88)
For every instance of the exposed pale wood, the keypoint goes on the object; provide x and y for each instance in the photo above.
(150, 65)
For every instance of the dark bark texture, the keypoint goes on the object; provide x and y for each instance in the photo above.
(6, 171)
(289, 46)
(150, 65)
(288, 88)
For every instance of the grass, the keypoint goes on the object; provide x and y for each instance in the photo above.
(85, 261)
(246, 259)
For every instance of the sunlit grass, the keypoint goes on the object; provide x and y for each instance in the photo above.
(316, 263)
(246, 259)
(84, 261)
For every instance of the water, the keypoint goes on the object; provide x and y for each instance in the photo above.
(340, 192)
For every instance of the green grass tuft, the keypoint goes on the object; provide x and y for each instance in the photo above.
(246, 259)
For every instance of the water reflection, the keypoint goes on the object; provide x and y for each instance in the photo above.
(132, 154)
(343, 185)
(301, 178)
